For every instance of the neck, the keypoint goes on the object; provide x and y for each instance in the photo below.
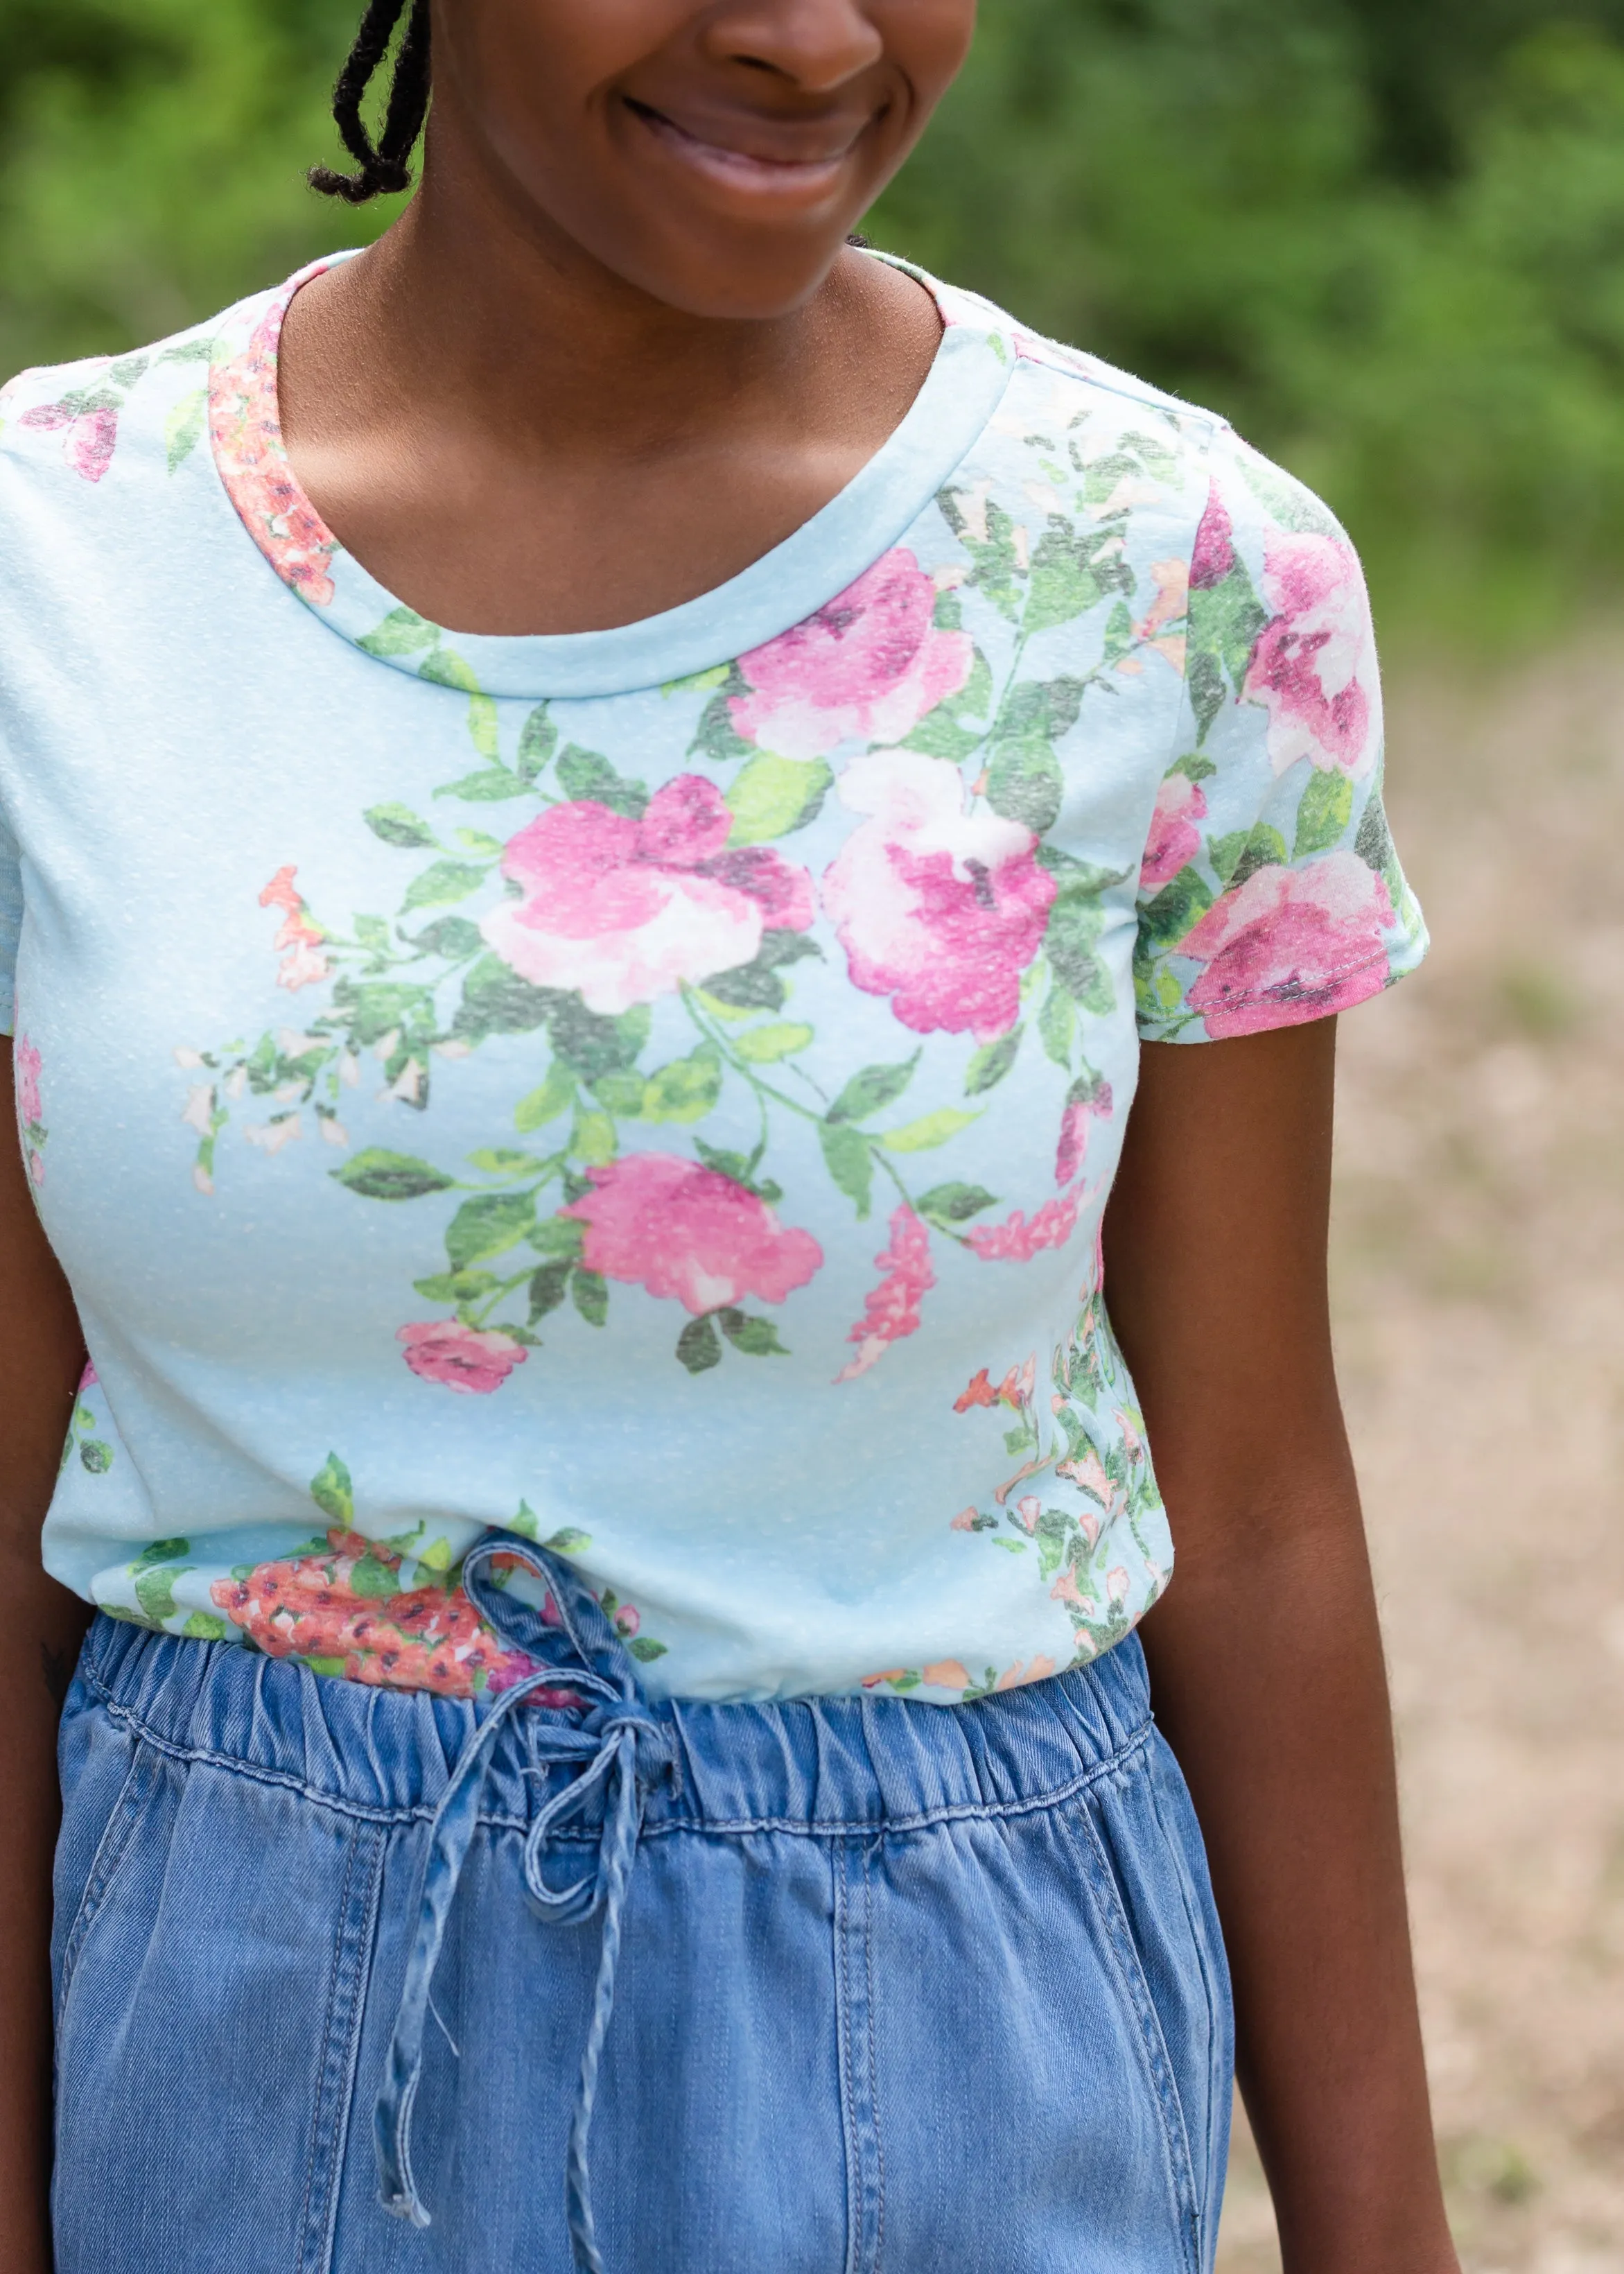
(474, 312)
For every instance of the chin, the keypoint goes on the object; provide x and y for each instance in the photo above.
(732, 276)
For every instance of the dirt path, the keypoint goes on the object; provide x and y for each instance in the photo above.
(1479, 1274)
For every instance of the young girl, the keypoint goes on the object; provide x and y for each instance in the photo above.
(596, 803)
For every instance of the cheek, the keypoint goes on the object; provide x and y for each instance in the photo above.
(926, 40)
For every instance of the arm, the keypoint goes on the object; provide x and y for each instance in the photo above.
(41, 1352)
(1265, 1659)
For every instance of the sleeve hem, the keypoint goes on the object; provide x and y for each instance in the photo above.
(1262, 1014)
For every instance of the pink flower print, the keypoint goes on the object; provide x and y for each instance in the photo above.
(1016, 1241)
(1029, 1507)
(1023, 1671)
(245, 430)
(945, 1674)
(891, 1309)
(332, 1606)
(871, 663)
(965, 1521)
(90, 1378)
(689, 1233)
(1015, 1391)
(1213, 557)
(90, 435)
(1291, 945)
(1174, 839)
(26, 1064)
(299, 938)
(1089, 1475)
(1314, 666)
(460, 1357)
(940, 908)
(1170, 606)
(624, 911)
(1116, 1586)
(1065, 1589)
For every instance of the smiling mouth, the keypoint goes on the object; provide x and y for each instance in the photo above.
(753, 167)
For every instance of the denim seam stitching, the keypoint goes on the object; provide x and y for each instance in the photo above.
(874, 2070)
(1205, 2225)
(839, 1864)
(103, 1867)
(335, 1974)
(1111, 1912)
(421, 1811)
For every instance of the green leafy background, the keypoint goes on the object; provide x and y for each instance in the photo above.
(1384, 238)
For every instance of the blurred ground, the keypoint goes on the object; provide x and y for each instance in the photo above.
(1479, 1283)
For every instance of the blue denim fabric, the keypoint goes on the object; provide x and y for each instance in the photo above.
(901, 1987)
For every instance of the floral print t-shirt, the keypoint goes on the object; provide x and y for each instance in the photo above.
(652, 1090)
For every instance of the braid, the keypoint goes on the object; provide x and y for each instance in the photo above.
(385, 166)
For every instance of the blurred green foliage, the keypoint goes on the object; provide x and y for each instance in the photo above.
(1385, 236)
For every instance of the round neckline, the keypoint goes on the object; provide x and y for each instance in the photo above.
(813, 566)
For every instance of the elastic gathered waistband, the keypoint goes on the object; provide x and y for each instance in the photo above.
(823, 1767)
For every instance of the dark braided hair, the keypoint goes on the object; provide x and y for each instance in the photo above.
(385, 165)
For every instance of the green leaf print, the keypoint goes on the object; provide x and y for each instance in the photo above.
(379, 1175)
(716, 738)
(594, 1139)
(992, 1062)
(183, 429)
(1063, 582)
(538, 741)
(1025, 783)
(766, 1045)
(456, 1286)
(496, 1001)
(590, 1290)
(1179, 904)
(443, 881)
(453, 936)
(849, 1161)
(374, 1579)
(592, 1043)
(203, 1626)
(154, 1573)
(645, 1648)
(699, 1346)
(489, 785)
(1266, 848)
(489, 1225)
(931, 1130)
(687, 1089)
(548, 1287)
(773, 797)
(940, 735)
(1324, 813)
(403, 632)
(557, 1236)
(755, 1338)
(1055, 1023)
(1075, 923)
(871, 1090)
(554, 1097)
(334, 1493)
(949, 1205)
(582, 774)
(398, 824)
(95, 1455)
(1225, 852)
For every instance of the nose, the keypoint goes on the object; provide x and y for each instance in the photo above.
(816, 45)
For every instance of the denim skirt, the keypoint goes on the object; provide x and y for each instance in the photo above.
(389, 1983)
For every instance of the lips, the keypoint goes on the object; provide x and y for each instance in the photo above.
(756, 149)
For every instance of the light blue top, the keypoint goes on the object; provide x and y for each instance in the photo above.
(653, 1090)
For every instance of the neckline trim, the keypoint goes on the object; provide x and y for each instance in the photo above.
(972, 368)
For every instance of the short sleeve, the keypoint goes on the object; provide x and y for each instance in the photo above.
(11, 925)
(1270, 892)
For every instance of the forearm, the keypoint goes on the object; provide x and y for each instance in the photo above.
(1268, 1682)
